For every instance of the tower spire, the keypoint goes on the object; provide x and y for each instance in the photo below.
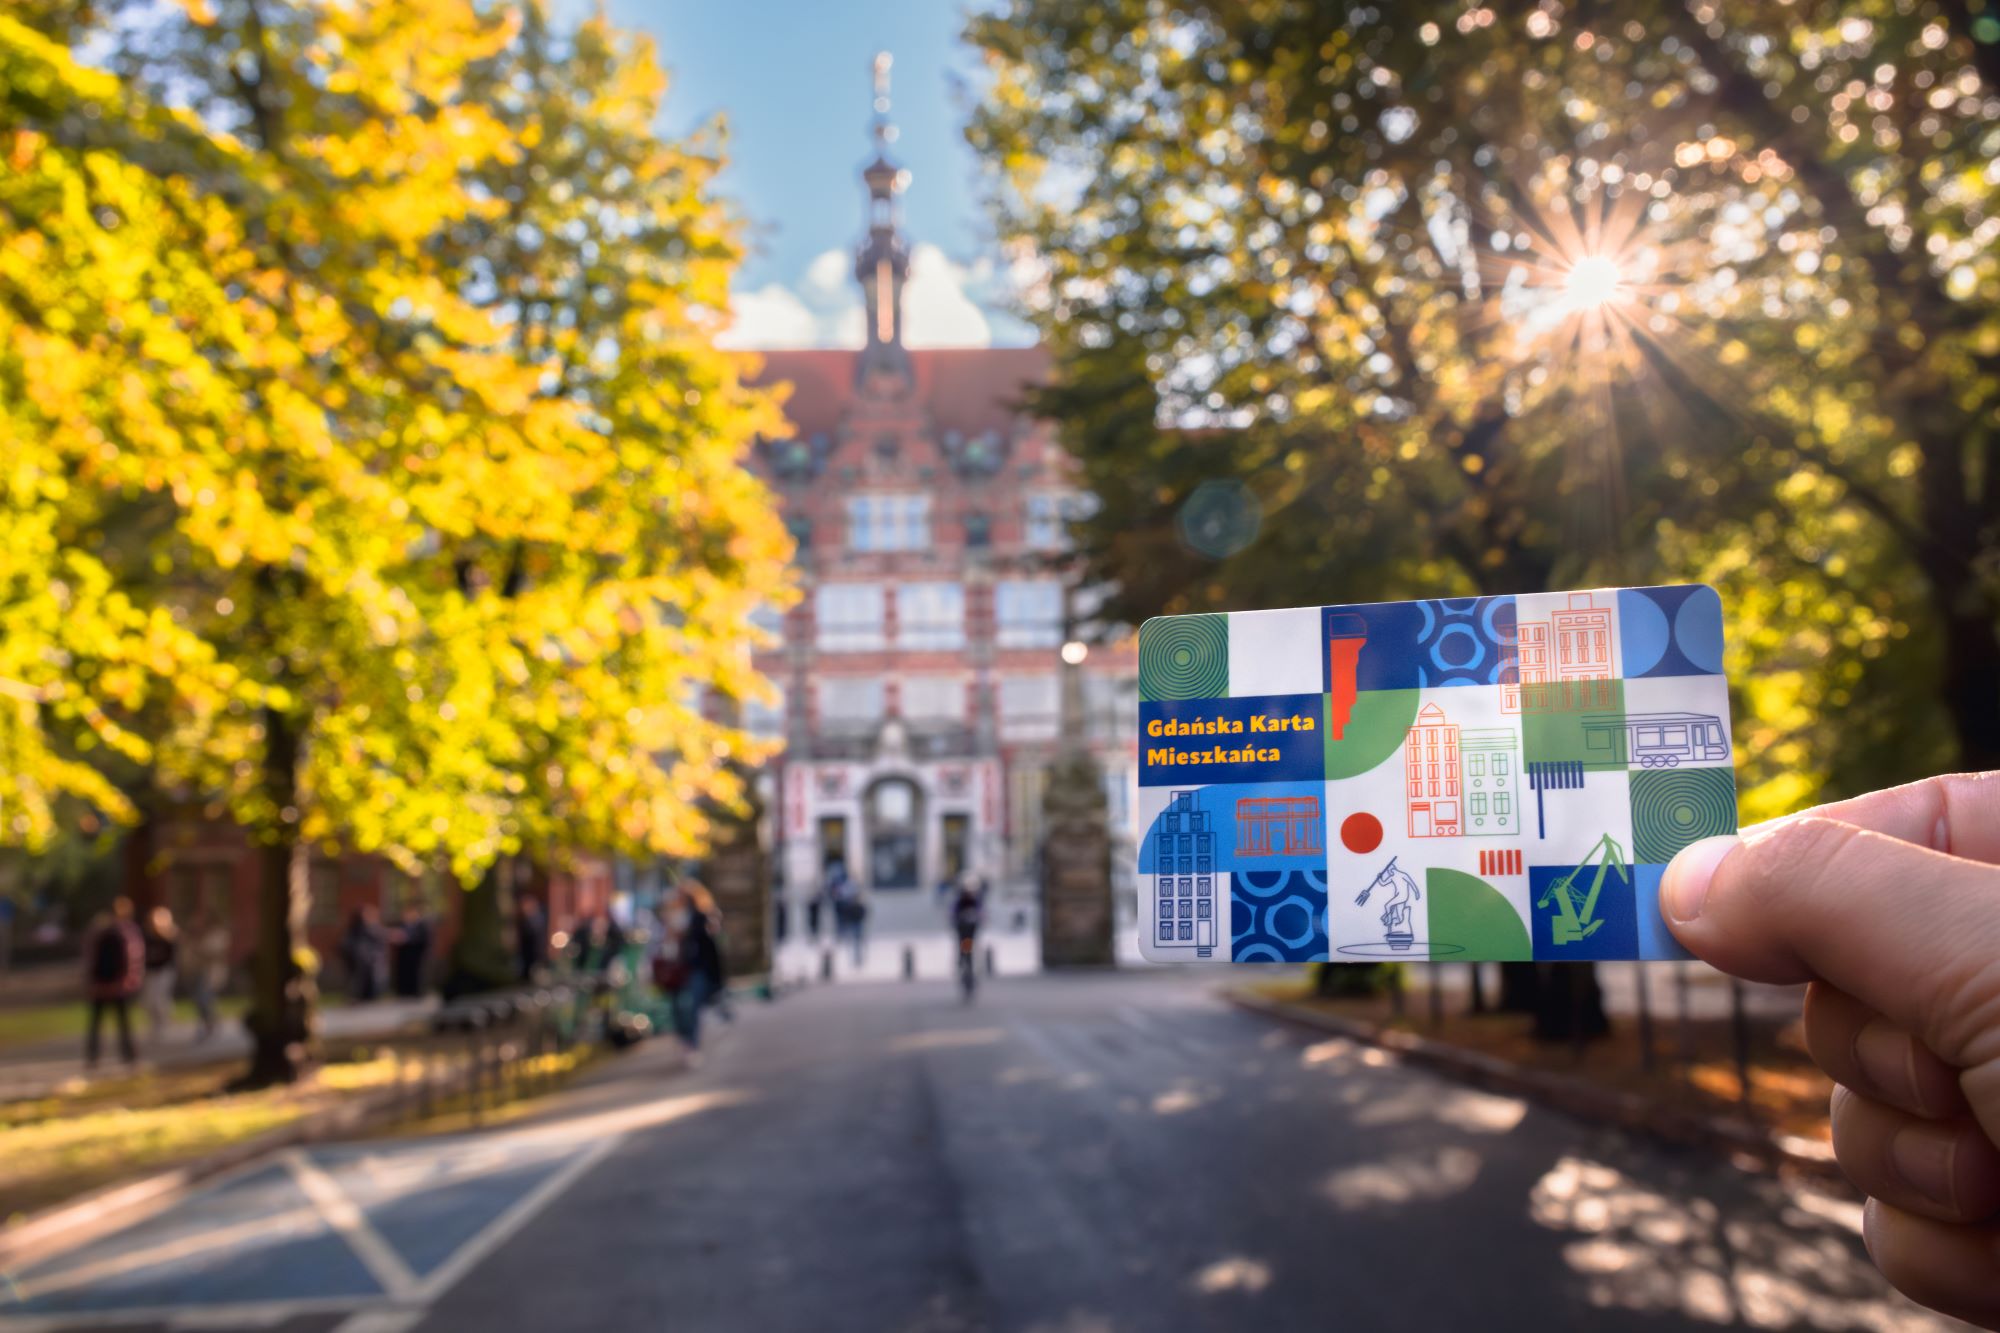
(883, 260)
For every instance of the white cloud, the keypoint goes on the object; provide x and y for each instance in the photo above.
(936, 310)
(769, 317)
(945, 304)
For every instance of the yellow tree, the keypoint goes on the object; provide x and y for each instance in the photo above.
(337, 448)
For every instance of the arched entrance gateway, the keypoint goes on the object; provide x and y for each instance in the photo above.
(893, 813)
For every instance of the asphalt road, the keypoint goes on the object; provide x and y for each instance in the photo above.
(1120, 1152)
(1105, 1152)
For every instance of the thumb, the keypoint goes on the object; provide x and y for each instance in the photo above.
(1911, 932)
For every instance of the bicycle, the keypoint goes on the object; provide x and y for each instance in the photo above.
(968, 975)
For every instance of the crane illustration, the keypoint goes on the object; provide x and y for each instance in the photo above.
(1578, 920)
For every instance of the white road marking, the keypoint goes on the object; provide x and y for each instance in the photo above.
(517, 1216)
(388, 1319)
(376, 1254)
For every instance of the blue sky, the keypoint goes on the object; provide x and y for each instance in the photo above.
(791, 78)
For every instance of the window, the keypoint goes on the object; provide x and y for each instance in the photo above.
(1475, 765)
(1502, 803)
(849, 616)
(850, 702)
(1499, 765)
(1111, 707)
(1049, 514)
(766, 721)
(978, 531)
(1030, 706)
(1476, 803)
(930, 615)
(1029, 613)
(889, 522)
(937, 698)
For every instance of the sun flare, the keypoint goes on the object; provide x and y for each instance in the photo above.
(1593, 281)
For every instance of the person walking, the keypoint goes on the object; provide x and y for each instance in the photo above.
(364, 949)
(692, 920)
(410, 949)
(850, 913)
(531, 937)
(208, 968)
(114, 965)
(162, 940)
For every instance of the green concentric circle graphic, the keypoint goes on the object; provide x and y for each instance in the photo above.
(1184, 657)
(1676, 807)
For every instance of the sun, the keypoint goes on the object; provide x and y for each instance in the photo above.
(1592, 282)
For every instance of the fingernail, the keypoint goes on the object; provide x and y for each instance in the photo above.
(1684, 889)
(1889, 1059)
(1923, 1156)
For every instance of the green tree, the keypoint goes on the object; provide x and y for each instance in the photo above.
(1381, 299)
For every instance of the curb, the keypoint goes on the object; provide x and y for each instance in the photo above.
(1571, 1096)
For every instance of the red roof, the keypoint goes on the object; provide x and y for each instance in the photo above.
(967, 389)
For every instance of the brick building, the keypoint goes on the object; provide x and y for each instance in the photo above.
(921, 671)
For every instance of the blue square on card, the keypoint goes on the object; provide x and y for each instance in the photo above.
(1673, 631)
(1416, 645)
(1583, 913)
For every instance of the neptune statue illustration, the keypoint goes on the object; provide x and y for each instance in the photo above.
(1403, 895)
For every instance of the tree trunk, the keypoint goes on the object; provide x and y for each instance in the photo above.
(1971, 675)
(481, 959)
(282, 994)
(1569, 1004)
(1520, 986)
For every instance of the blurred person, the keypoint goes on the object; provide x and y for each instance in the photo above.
(692, 922)
(409, 951)
(968, 913)
(830, 892)
(850, 914)
(365, 950)
(208, 968)
(596, 943)
(1888, 906)
(531, 937)
(162, 943)
(114, 966)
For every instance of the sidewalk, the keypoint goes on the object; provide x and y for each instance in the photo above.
(43, 1068)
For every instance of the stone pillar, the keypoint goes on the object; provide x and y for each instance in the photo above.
(1077, 918)
(737, 870)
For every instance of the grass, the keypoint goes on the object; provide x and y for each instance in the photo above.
(1693, 1068)
(30, 1025)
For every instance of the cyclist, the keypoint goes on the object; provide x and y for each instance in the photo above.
(968, 912)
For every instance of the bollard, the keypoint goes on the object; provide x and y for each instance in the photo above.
(909, 963)
(991, 970)
(826, 965)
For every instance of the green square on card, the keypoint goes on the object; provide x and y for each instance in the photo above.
(1575, 722)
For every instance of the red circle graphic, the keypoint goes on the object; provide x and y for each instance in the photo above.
(1361, 833)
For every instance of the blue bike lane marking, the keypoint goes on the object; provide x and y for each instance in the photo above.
(353, 1223)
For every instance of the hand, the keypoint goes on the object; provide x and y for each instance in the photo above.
(1889, 905)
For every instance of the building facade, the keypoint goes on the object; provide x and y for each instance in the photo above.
(920, 672)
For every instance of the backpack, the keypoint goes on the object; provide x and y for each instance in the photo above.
(111, 957)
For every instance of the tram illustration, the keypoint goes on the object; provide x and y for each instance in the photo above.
(1655, 740)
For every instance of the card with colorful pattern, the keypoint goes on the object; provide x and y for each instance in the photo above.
(1467, 779)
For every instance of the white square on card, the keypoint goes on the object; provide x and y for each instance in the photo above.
(1275, 652)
